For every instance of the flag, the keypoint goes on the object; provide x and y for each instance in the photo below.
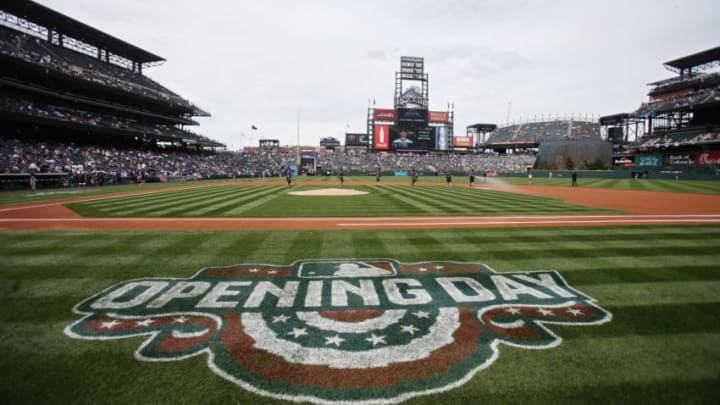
(253, 127)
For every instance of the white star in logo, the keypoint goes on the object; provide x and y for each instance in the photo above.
(280, 318)
(545, 312)
(513, 311)
(180, 319)
(144, 322)
(253, 270)
(298, 332)
(272, 272)
(422, 269)
(376, 339)
(574, 312)
(421, 314)
(411, 329)
(335, 340)
(109, 325)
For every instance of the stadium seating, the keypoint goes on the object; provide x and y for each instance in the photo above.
(536, 132)
(126, 164)
(35, 50)
(699, 98)
(106, 120)
(367, 163)
(687, 137)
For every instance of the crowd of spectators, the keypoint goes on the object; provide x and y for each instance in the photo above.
(698, 98)
(693, 80)
(537, 132)
(95, 119)
(682, 138)
(427, 163)
(66, 61)
(26, 156)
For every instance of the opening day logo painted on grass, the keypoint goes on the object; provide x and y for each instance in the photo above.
(340, 330)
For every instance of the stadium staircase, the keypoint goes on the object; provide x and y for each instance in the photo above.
(517, 131)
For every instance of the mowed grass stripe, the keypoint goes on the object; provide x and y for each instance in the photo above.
(148, 198)
(152, 208)
(685, 186)
(224, 208)
(121, 205)
(661, 345)
(274, 201)
(419, 201)
(468, 201)
(451, 202)
(256, 203)
(655, 293)
(217, 204)
(376, 201)
(179, 203)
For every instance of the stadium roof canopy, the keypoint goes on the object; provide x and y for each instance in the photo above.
(701, 60)
(613, 119)
(483, 127)
(71, 27)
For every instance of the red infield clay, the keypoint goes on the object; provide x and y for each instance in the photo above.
(642, 208)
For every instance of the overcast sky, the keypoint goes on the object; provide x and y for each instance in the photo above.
(260, 62)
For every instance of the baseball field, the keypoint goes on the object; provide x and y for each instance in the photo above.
(214, 292)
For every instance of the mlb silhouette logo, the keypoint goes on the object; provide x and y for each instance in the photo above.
(347, 268)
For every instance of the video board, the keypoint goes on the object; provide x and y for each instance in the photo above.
(412, 68)
(412, 117)
(403, 138)
(269, 145)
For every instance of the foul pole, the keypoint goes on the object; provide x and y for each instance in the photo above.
(297, 147)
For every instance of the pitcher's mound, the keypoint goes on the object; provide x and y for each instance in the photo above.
(329, 192)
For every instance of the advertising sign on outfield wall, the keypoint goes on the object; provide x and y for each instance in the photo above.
(648, 160)
(681, 159)
(708, 158)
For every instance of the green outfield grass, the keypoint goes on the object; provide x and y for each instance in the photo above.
(275, 201)
(674, 186)
(660, 283)
(682, 186)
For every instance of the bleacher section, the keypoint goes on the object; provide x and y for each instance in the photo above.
(702, 98)
(690, 137)
(534, 133)
(67, 115)
(37, 51)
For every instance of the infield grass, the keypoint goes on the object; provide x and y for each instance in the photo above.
(660, 283)
(277, 201)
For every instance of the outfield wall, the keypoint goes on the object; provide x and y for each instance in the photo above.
(582, 152)
(617, 174)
